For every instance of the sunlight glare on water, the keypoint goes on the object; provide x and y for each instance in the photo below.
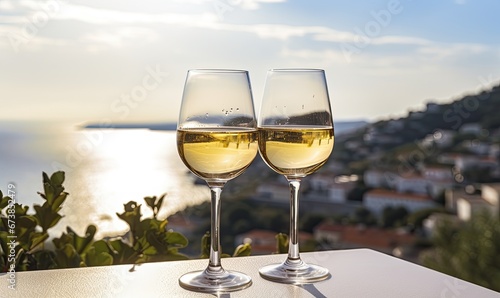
(127, 165)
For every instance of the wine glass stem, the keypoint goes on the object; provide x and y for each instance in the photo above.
(214, 264)
(293, 245)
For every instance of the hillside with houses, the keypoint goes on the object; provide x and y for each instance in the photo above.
(446, 155)
(441, 163)
(388, 185)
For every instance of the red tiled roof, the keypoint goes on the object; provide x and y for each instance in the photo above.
(368, 236)
(396, 195)
(265, 247)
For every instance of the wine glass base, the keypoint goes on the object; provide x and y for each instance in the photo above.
(303, 274)
(200, 281)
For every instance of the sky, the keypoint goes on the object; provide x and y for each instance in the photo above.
(126, 61)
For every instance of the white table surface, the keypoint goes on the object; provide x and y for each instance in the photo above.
(354, 273)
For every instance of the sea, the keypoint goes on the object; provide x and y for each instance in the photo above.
(104, 169)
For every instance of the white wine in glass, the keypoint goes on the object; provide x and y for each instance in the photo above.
(295, 139)
(217, 141)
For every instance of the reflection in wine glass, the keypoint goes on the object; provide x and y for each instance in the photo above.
(295, 139)
(217, 141)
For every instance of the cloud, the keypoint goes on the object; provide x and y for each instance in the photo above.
(57, 10)
(231, 4)
(6, 6)
(106, 16)
(25, 10)
(401, 40)
(123, 36)
(444, 50)
(255, 4)
(325, 57)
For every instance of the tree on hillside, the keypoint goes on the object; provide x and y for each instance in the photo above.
(416, 219)
(394, 217)
(470, 252)
(363, 215)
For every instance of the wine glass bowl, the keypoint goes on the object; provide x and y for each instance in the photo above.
(217, 141)
(296, 138)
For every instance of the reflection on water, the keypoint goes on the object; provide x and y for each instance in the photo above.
(104, 170)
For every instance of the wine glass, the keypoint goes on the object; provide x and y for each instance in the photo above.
(295, 139)
(217, 141)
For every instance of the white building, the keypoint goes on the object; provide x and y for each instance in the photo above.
(471, 161)
(437, 173)
(378, 199)
(444, 138)
(476, 147)
(321, 181)
(380, 179)
(439, 179)
(412, 183)
(338, 191)
(440, 138)
(453, 194)
(334, 166)
(472, 128)
(468, 207)
(379, 139)
(336, 188)
(494, 151)
(449, 158)
(274, 191)
(374, 178)
(468, 203)
(491, 193)
(437, 187)
(466, 161)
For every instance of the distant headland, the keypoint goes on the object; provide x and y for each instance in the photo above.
(340, 126)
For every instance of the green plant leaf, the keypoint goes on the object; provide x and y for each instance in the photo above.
(81, 244)
(37, 239)
(46, 183)
(58, 201)
(93, 258)
(3, 243)
(52, 187)
(150, 201)
(132, 216)
(242, 250)
(67, 257)
(101, 246)
(25, 227)
(45, 259)
(176, 239)
(163, 225)
(20, 210)
(155, 203)
(4, 201)
(122, 253)
(57, 178)
(63, 240)
(282, 243)
(45, 216)
(205, 245)
(160, 201)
